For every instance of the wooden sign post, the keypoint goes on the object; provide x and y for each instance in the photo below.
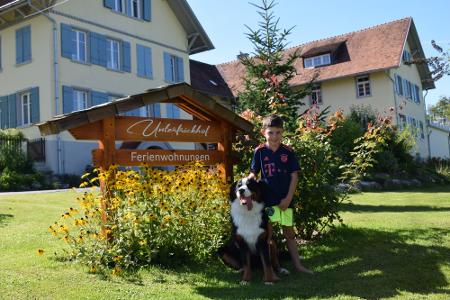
(213, 123)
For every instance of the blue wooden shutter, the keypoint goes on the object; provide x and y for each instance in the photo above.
(34, 96)
(157, 110)
(148, 61)
(67, 99)
(27, 43)
(167, 68)
(12, 110)
(98, 49)
(19, 46)
(108, 3)
(180, 69)
(98, 98)
(140, 60)
(4, 112)
(66, 41)
(126, 57)
(146, 10)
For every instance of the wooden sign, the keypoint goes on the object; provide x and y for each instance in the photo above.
(152, 157)
(153, 129)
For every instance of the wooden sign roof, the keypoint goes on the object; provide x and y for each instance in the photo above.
(183, 95)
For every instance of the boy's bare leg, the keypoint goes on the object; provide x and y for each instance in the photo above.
(289, 234)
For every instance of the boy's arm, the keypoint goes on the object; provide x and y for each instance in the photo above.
(252, 175)
(293, 185)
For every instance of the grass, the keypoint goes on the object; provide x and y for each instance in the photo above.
(394, 245)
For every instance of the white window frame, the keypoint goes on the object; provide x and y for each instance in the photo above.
(112, 61)
(416, 93)
(366, 86)
(406, 57)
(399, 85)
(119, 6)
(403, 121)
(316, 95)
(174, 68)
(25, 107)
(79, 46)
(317, 61)
(135, 10)
(80, 99)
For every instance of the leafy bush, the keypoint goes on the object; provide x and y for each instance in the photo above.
(152, 217)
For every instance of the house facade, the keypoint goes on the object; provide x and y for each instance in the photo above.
(57, 57)
(368, 67)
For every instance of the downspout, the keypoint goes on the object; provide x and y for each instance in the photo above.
(426, 122)
(55, 81)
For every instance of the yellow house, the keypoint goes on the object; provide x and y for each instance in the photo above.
(365, 67)
(59, 56)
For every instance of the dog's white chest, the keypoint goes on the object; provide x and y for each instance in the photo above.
(248, 222)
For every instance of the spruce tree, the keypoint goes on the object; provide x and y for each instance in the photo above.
(269, 71)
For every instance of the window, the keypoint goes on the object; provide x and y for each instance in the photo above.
(406, 57)
(363, 86)
(154, 110)
(398, 85)
(172, 111)
(144, 61)
(407, 86)
(317, 61)
(112, 54)
(402, 119)
(80, 99)
(134, 8)
(173, 68)
(79, 45)
(119, 6)
(25, 104)
(316, 96)
(23, 45)
(416, 93)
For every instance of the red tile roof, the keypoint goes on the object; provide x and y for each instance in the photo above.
(363, 51)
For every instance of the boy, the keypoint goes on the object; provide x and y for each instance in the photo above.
(278, 166)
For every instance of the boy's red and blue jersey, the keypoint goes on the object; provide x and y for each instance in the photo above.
(276, 169)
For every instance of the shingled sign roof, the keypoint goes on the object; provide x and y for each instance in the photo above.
(182, 94)
(368, 50)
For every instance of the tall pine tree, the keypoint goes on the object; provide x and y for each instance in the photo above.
(269, 71)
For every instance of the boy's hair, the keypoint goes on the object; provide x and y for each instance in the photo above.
(272, 121)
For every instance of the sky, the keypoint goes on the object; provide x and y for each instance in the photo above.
(225, 23)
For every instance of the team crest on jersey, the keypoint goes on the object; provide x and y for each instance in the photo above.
(284, 158)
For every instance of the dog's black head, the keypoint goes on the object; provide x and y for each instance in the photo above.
(246, 191)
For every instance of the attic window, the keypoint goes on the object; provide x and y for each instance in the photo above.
(317, 61)
(213, 82)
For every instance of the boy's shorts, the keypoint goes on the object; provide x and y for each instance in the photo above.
(284, 217)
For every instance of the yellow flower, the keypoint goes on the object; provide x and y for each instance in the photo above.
(93, 269)
(116, 271)
(40, 252)
(183, 222)
(142, 242)
(117, 258)
(64, 229)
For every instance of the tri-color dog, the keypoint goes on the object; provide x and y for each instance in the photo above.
(251, 234)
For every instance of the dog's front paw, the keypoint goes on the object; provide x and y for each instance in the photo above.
(244, 282)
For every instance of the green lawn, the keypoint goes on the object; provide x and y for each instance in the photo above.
(395, 245)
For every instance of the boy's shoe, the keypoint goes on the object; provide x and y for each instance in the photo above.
(282, 271)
